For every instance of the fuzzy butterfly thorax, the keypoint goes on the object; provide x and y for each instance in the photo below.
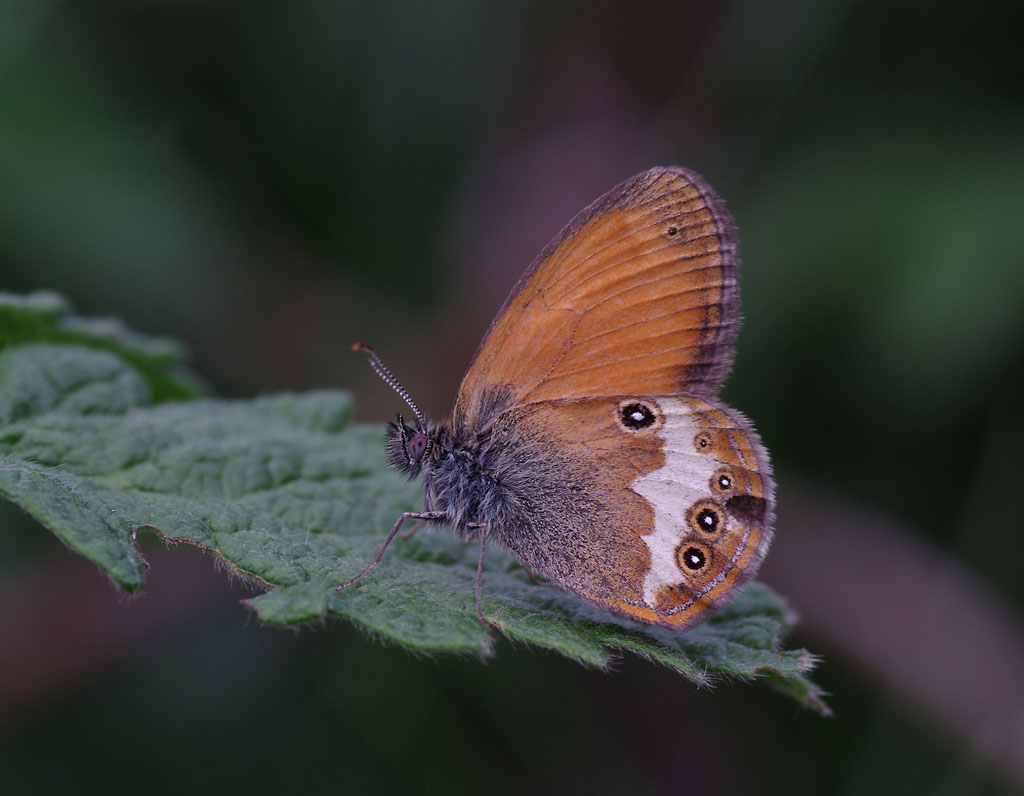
(461, 475)
(587, 437)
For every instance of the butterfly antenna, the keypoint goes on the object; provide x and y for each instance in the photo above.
(389, 378)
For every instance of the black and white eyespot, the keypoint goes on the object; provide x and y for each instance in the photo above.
(707, 520)
(672, 230)
(723, 481)
(692, 557)
(638, 415)
(702, 442)
(705, 517)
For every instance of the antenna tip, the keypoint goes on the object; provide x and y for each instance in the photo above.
(359, 346)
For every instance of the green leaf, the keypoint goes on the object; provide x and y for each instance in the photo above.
(47, 317)
(285, 492)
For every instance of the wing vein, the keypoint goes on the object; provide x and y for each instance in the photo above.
(585, 261)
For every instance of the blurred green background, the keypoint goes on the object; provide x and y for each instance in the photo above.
(271, 181)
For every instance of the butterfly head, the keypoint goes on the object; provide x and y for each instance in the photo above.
(409, 447)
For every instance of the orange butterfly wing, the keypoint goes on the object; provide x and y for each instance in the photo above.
(661, 523)
(638, 294)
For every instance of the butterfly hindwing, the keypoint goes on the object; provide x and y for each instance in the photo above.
(656, 507)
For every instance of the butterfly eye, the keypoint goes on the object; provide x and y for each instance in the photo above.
(637, 416)
(417, 446)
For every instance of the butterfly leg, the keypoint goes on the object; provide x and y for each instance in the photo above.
(406, 515)
(480, 577)
(537, 581)
(412, 531)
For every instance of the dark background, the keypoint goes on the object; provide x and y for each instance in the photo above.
(271, 181)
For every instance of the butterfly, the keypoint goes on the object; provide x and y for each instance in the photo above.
(586, 436)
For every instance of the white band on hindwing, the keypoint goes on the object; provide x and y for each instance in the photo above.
(671, 490)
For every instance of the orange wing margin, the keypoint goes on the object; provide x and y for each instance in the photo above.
(638, 294)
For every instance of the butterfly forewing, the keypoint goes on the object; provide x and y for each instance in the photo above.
(637, 294)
